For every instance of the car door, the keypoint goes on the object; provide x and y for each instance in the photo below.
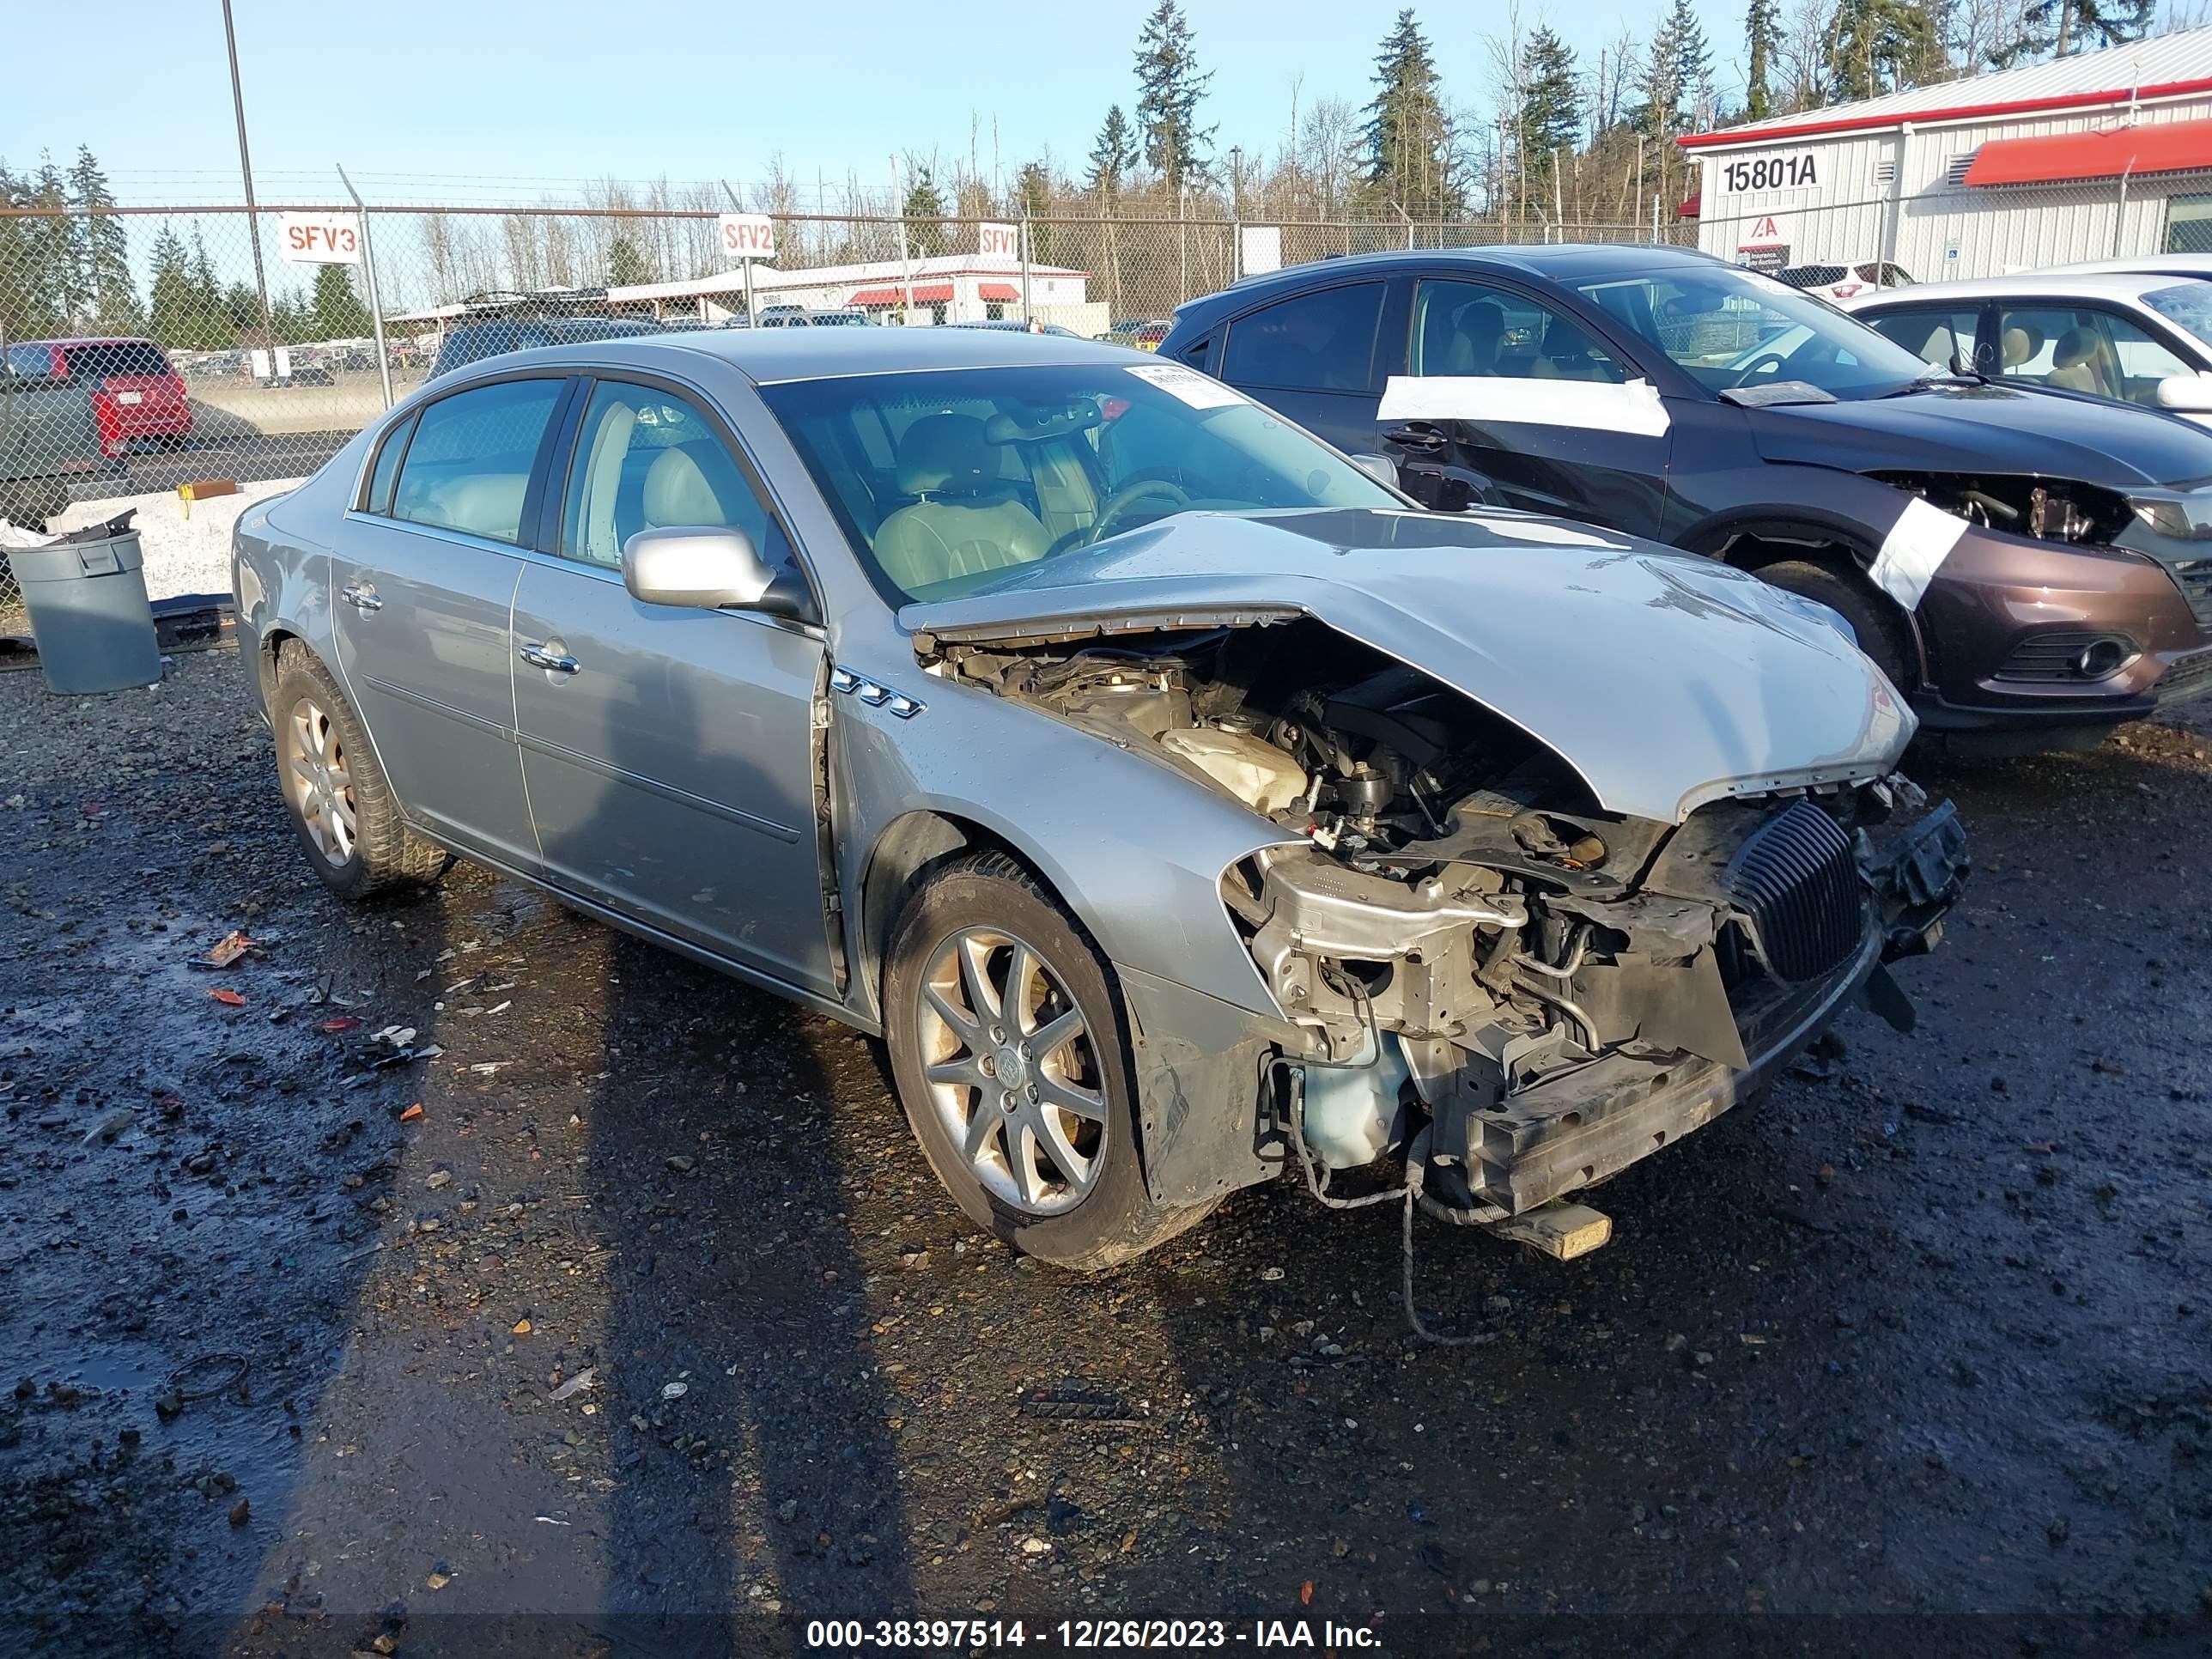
(1494, 393)
(670, 752)
(422, 576)
(1312, 356)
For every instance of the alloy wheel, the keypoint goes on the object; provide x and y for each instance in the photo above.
(316, 778)
(1012, 1071)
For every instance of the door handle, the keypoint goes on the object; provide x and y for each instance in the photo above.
(1418, 437)
(361, 597)
(553, 662)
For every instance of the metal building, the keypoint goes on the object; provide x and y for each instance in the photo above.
(2089, 157)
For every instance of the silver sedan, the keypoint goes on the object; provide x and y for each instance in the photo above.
(1179, 803)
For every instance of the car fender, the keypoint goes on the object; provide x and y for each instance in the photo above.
(1133, 847)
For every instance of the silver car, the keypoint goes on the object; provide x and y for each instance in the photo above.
(1178, 802)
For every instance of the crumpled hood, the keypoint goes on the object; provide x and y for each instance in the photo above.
(1989, 428)
(1665, 680)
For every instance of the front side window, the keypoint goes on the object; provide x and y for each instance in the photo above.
(2187, 305)
(1932, 333)
(1731, 330)
(991, 470)
(1320, 341)
(1472, 328)
(2076, 348)
(468, 467)
(647, 460)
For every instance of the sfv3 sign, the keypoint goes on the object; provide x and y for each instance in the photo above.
(320, 239)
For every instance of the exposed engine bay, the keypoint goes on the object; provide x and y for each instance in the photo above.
(1488, 970)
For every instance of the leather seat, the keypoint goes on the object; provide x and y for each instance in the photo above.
(2021, 343)
(677, 493)
(2078, 364)
(964, 522)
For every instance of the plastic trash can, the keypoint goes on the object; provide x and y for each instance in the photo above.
(89, 616)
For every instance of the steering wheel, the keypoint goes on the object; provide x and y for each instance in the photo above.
(1766, 365)
(1122, 500)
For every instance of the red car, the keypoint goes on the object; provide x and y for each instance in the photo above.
(134, 392)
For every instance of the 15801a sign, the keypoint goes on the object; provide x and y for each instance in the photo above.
(1797, 172)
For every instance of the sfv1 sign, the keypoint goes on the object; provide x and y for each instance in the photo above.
(748, 236)
(1002, 241)
(320, 239)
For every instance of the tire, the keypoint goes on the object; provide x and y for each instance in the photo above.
(1880, 629)
(958, 943)
(324, 770)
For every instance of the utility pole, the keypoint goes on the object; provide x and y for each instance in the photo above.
(1236, 211)
(245, 171)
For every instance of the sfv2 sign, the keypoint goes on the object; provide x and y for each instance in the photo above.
(320, 239)
(748, 236)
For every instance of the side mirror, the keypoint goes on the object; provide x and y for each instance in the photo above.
(2186, 394)
(704, 568)
(1384, 469)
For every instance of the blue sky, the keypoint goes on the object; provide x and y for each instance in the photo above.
(498, 102)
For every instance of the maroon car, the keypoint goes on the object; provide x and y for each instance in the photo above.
(134, 391)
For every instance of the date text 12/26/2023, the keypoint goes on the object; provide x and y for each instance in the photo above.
(1084, 1635)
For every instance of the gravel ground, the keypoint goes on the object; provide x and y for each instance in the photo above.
(649, 1334)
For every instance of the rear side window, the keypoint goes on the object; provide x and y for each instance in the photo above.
(1320, 341)
(1932, 333)
(109, 358)
(387, 469)
(33, 362)
(468, 466)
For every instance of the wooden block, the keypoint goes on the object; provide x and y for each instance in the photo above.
(202, 489)
(1562, 1231)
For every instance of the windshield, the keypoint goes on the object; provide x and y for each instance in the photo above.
(948, 483)
(1728, 328)
(2186, 305)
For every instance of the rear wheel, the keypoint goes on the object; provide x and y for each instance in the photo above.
(1009, 1051)
(1877, 623)
(341, 804)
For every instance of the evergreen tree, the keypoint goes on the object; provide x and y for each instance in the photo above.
(179, 315)
(1033, 194)
(626, 262)
(338, 312)
(1408, 141)
(1551, 110)
(924, 208)
(2059, 28)
(28, 292)
(1880, 45)
(103, 251)
(1762, 28)
(240, 311)
(1169, 85)
(206, 293)
(55, 256)
(1113, 155)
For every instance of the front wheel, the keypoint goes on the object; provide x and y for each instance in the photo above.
(341, 804)
(1009, 1051)
(1878, 625)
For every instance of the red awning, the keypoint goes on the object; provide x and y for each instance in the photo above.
(924, 294)
(1690, 206)
(2168, 147)
(997, 291)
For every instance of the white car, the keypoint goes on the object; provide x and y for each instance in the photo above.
(2126, 337)
(1839, 282)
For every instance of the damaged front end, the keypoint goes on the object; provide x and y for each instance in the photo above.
(1480, 967)
(1524, 1021)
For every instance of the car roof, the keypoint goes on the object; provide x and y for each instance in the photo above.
(770, 356)
(2030, 284)
(91, 340)
(1557, 262)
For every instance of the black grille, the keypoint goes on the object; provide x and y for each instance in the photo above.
(2194, 578)
(2051, 656)
(2185, 676)
(1797, 886)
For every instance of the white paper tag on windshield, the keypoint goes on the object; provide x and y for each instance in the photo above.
(1188, 385)
(1595, 405)
(1914, 550)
